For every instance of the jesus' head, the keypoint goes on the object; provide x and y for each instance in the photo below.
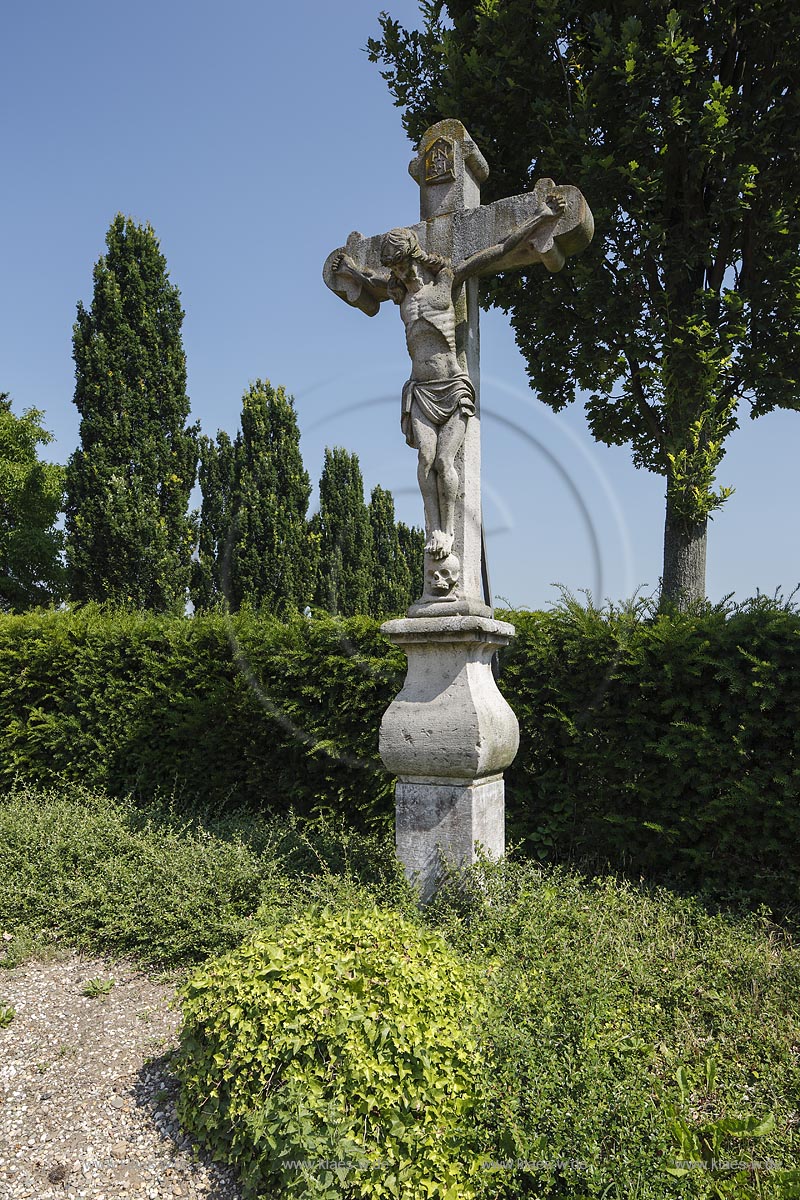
(399, 245)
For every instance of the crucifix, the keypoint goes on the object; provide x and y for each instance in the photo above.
(430, 271)
(449, 734)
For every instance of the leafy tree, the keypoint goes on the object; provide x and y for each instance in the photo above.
(31, 571)
(342, 525)
(391, 577)
(680, 123)
(254, 544)
(129, 535)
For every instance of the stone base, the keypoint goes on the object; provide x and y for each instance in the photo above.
(449, 608)
(436, 822)
(449, 722)
(448, 736)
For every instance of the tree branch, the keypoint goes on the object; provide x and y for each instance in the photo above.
(648, 413)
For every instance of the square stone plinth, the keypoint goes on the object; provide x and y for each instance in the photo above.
(436, 821)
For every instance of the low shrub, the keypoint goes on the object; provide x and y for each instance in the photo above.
(621, 1032)
(86, 869)
(638, 1046)
(102, 874)
(334, 1058)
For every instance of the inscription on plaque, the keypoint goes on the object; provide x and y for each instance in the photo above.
(440, 161)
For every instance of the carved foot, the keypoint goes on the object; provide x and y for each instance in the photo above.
(439, 544)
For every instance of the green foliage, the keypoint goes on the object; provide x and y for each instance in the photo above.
(129, 536)
(254, 545)
(335, 1058)
(666, 746)
(97, 988)
(216, 475)
(103, 875)
(679, 122)
(391, 579)
(412, 545)
(81, 868)
(707, 1144)
(7, 1014)
(218, 710)
(342, 525)
(602, 996)
(31, 491)
(621, 1032)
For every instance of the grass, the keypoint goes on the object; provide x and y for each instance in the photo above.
(632, 1031)
(82, 869)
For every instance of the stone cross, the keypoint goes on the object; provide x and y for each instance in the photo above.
(430, 270)
(449, 735)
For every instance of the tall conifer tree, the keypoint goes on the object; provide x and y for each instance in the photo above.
(216, 475)
(391, 577)
(254, 545)
(271, 564)
(128, 532)
(412, 546)
(345, 581)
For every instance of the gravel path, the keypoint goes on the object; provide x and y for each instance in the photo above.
(86, 1099)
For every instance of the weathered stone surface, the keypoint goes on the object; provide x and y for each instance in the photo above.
(449, 169)
(429, 270)
(449, 722)
(437, 822)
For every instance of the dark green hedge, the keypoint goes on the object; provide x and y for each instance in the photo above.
(219, 711)
(668, 747)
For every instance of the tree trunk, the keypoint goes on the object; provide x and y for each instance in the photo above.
(684, 578)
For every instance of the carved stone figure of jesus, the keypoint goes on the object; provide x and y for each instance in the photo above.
(439, 398)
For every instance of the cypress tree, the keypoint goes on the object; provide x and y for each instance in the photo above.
(254, 544)
(412, 547)
(342, 525)
(270, 559)
(216, 477)
(129, 536)
(391, 577)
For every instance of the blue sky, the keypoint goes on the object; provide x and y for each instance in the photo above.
(254, 137)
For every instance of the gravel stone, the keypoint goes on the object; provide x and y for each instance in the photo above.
(87, 1101)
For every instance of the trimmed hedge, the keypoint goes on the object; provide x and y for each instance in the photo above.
(218, 711)
(665, 746)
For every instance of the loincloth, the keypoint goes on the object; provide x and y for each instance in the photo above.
(436, 399)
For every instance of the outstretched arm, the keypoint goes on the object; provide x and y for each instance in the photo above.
(550, 212)
(376, 283)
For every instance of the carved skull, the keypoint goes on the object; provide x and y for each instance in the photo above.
(444, 576)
